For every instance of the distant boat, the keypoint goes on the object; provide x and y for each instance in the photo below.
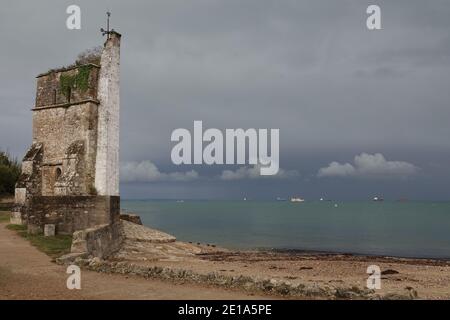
(180, 201)
(245, 199)
(294, 199)
(281, 199)
(378, 199)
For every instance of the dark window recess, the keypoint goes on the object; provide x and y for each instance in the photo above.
(58, 173)
(54, 96)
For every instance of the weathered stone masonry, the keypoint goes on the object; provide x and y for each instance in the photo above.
(70, 175)
(107, 162)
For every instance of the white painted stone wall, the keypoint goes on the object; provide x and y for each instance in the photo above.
(107, 161)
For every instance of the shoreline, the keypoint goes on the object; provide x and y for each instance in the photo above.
(311, 252)
(359, 255)
(325, 256)
(289, 274)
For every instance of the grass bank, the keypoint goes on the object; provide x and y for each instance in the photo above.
(52, 246)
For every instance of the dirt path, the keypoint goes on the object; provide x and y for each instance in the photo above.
(26, 273)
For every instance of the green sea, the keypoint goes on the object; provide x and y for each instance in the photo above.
(404, 229)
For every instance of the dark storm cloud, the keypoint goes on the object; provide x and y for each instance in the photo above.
(309, 68)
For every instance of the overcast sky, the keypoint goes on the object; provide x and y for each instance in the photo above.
(360, 112)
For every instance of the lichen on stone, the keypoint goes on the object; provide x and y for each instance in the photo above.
(80, 80)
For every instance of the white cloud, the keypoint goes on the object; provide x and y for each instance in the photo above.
(254, 173)
(147, 171)
(368, 165)
(337, 169)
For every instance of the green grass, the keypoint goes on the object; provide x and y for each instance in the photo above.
(4, 216)
(52, 246)
(16, 227)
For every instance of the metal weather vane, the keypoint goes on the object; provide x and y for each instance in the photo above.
(107, 31)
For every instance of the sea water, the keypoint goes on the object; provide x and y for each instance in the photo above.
(405, 229)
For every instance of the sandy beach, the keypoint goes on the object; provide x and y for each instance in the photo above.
(321, 273)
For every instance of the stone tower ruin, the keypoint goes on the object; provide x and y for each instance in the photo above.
(70, 174)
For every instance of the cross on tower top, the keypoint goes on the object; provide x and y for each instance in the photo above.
(107, 31)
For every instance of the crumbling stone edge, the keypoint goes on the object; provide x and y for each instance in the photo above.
(248, 284)
(101, 241)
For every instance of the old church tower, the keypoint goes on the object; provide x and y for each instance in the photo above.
(70, 174)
